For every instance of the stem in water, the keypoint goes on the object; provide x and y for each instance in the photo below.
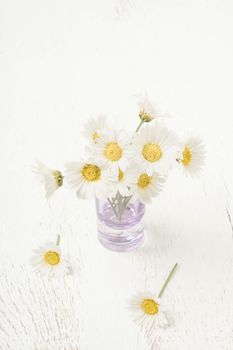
(119, 204)
(113, 208)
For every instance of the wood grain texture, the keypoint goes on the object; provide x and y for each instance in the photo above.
(60, 63)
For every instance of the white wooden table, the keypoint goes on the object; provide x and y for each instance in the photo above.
(62, 62)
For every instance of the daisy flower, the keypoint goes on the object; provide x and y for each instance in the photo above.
(193, 155)
(94, 128)
(147, 111)
(49, 259)
(120, 184)
(148, 311)
(154, 148)
(112, 151)
(52, 179)
(144, 186)
(89, 179)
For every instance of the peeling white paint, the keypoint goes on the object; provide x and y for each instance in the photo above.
(61, 62)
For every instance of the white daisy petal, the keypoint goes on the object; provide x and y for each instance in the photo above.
(155, 149)
(52, 179)
(192, 156)
(49, 259)
(144, 186)
(147, 311)
(94, 128)
(148, 111)
(89, 179)
(112, 151)
(119, 183)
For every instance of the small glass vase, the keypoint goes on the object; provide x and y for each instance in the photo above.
(120, 234)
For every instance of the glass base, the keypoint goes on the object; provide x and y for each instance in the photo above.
(120, 235)
(121, 241)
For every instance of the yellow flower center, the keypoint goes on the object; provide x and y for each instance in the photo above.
(95, 136)
(58, 178)
(91, 172)
(52, 258)
(113, 151)
(150, 307)
(187, 156)
(152, 152)
(146, 117)
(144, 180)
(120, 175)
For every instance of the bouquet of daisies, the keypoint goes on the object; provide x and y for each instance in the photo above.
(121, 167)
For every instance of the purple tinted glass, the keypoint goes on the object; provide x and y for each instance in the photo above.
(120, 235)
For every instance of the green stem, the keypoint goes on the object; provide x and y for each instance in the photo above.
(58, 239)
(139, 126)
(167, 281)
(113, 208)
